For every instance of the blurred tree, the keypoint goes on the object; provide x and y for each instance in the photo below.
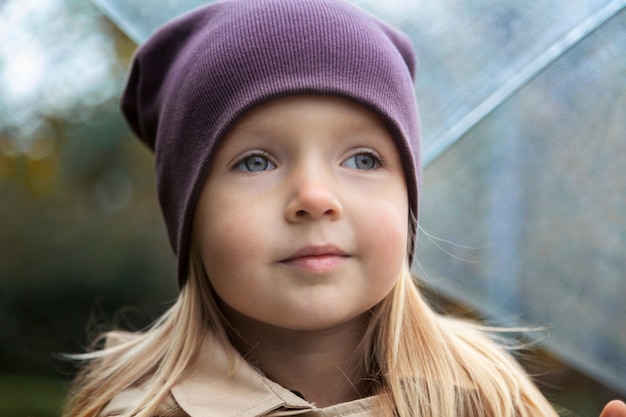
(81, 235)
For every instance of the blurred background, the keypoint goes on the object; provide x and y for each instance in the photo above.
(81, 238)
(523, 208)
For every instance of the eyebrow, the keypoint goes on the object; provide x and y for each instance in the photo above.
(356, 124)
(370, 122)
(259, 125)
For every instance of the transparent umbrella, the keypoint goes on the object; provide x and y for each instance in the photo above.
(524, 206)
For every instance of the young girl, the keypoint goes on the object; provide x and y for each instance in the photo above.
(286, 137)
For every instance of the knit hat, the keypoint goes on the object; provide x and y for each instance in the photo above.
(197, 75)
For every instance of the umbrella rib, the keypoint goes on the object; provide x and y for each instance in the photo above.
(121, 20)
(446, 140)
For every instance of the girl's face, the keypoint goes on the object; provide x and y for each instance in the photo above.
(303, 221)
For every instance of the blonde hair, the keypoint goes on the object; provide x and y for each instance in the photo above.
(433, 365)
(425, 364)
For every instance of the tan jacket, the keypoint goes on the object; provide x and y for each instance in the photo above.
(213, 389)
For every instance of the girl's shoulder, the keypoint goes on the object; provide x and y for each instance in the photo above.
(126, 400)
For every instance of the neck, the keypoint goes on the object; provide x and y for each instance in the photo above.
(319, 364)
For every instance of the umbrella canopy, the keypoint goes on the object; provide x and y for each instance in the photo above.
(523, 211)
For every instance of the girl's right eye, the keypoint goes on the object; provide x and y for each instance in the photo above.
(255, 163)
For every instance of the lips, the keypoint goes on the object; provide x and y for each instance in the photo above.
(316, 259)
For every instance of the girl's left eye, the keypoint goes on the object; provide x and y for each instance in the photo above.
(255, 163)
(364, 161)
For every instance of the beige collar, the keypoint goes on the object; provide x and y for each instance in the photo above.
(223, 384)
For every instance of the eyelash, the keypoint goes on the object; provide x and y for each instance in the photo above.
(242, 162)
(378, 160)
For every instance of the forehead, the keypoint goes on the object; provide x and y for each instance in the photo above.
(292, 111)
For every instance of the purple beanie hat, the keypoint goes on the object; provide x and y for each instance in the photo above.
(197, 75)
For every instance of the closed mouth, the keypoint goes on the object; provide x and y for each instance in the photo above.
(316, 258)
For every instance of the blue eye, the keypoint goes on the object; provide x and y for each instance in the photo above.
(255, 163)
(364, 161)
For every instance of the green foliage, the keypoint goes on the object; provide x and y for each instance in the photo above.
(34, 396)
(80, 229)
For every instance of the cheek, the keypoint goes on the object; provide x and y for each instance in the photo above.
(226, 243)
(386, 239)
(393, 237)
(394, 224)
(224, 239)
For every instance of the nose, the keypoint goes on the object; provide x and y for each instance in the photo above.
(312, 199)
